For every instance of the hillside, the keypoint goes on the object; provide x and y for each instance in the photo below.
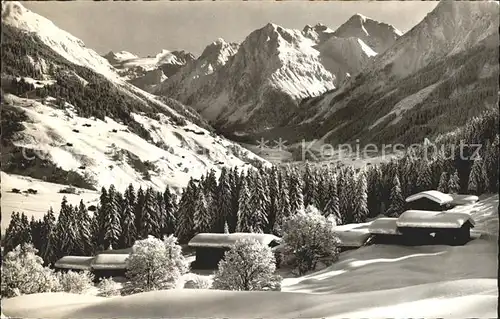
(416, 88)
(262, 81)
(89, 127)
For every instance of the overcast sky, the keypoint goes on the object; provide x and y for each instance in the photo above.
(145, 28)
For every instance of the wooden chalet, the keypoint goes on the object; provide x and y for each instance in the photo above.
(109, 265)
(73, 263)
(210, 248)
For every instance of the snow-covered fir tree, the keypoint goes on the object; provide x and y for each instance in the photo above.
(332, 207)
(149, 211)
(397, 202)
(259, 201)
(185, 223)
(295, 193)
(443, 182)
(424, 177)
(129, 231)
(222, 208)
(454, 183)
(202, 218)
(170, 207)
(478, 180)
(112, 224)
(361, 199)
(245, 209)
(139, 209)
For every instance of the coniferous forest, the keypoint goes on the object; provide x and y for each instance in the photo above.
(260, 199)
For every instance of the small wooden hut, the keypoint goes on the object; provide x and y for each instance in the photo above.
(109, 265)
(73, 263)
(210, 248)
(425, 227)
(431, 200)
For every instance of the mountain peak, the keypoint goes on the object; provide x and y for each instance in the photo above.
(378, 35)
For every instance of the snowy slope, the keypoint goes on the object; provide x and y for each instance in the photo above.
(177, 151)
(445, 64)
(379, 281)
(453, 26)
(37, 205)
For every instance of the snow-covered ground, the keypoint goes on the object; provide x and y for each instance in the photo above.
(37, 204)
(187, 151)
(379, 281)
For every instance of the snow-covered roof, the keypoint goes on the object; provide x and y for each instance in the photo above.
(228, 240)
(125, 251)
(432, 219)
(433, 195)
(464, 199)
(74, 262)
(109, 261)
(352, 238)
(384, 226)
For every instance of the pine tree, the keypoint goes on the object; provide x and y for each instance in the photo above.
(129, 231)
(310, 182)
(284, 207)
(36, 239)
(274, 198)
(202, 217)
(258, 202)
(245, 209)
(454, 183)
(226, 228)
(235, 182)
(67, 233)
(170, 204)
(443, 183)
(361, 200)
(185, 224)
(100, 220)
(112, 224)
(12, 233)
(478, 180)
(295, 194)
(83, 224)
(222, 207)
(149, 221)
(332, 208)
(48, 232)
(397, 204)
(424, 177)
(139, 209)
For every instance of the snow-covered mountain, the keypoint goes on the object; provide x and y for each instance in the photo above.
(431, 80)
(377, 35)
(452, 27)
(260, 85)
(148, 72)
(67, 104)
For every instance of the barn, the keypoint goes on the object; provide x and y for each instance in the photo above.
(431, 200)
(446, 228)
(210, 248)
(385, 231)
(73, 263)
(109, 265)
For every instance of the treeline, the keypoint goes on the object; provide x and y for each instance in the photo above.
(93, 95)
